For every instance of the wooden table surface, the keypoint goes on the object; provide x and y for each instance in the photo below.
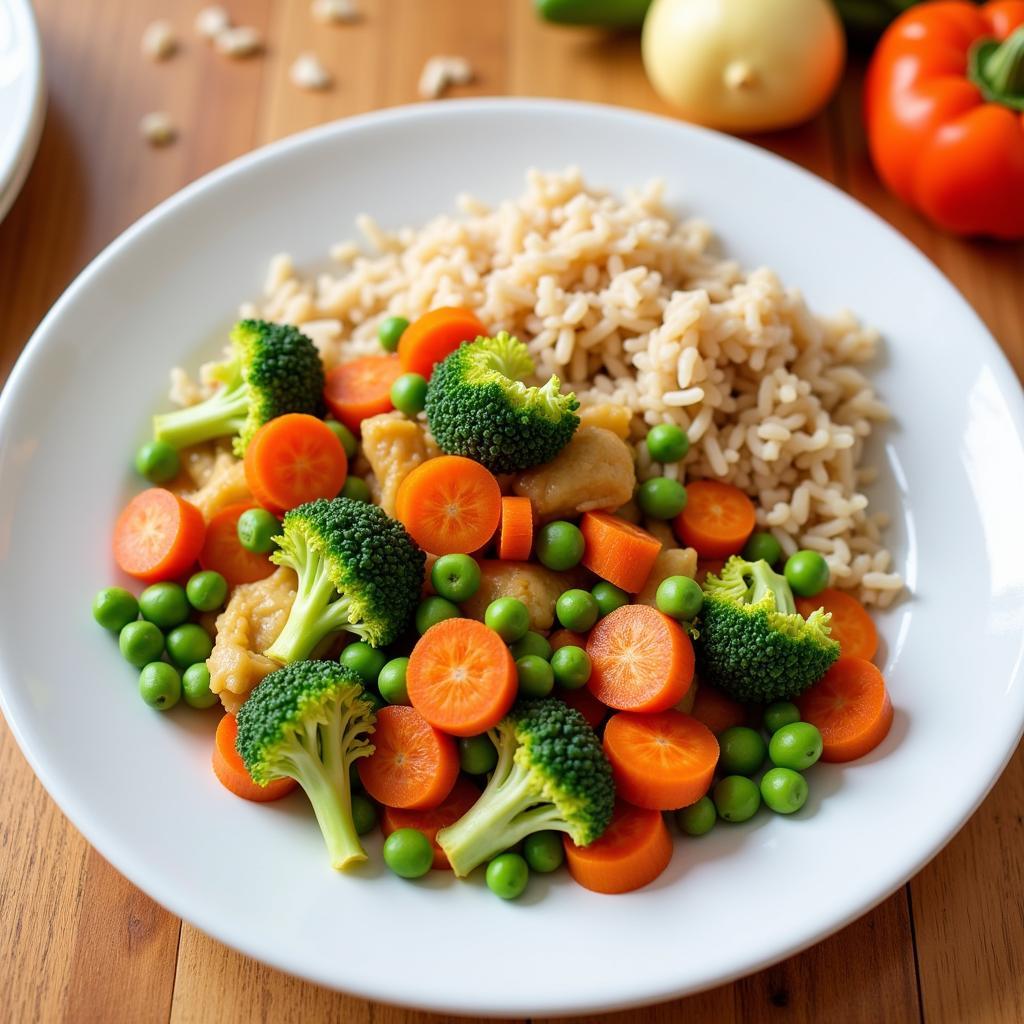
(82, 944)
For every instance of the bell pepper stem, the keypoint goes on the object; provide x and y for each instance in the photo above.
(998, 69)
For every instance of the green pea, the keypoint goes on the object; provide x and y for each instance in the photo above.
(188, 644)
(680, 597)
(667, 443)
(742, 751)
(571, 667)
(577, 610)
(140, 643)
(781, 713)
(407, 851)
(391, 681)
(206, 591)
(114, 607)
(257, 529)
(455, 577)
(536, 678)
(509, 618)
(807, 573)
(364, 814)
(195, 686)
(165, 605)
(433, 610)
(390, 332)
(532, 643)
(608, 597)
(544, 851)
(357, 489)
(698, 818)
(477, 754)
(409, 393)
(736, 797)
(345, 436)
(661, 498)
(507, 875)
(797, 746)
(784, 790)
(159, 685)
(364, 660)
(157, 461)
(762, 547)
(559, 545)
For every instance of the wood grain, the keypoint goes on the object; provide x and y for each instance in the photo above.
(85, 945)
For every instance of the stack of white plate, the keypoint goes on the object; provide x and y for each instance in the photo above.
(22, 97)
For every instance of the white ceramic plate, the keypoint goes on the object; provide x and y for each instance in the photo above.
(138, 784)
(22, 97)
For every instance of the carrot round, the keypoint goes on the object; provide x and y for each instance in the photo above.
(663, 761)
(293, 459)
(158, 536)
(413, 765)
(718, 519)
(223, 552)
(850, 707)
(851, 624)
(717, 711)
(463, 795)
(618, 551)
(434, 335)
(641, 660)
(635, 848)
(359, 389)
(449, 505)
(585, 703)
(515, 537)
(230, 769)
(461, 677)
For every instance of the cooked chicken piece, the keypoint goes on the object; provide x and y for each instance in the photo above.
(593, 471)
(609, 416)
(672, 562)
(218, 483)
(394, 446)
(538, 588)
(254, 616)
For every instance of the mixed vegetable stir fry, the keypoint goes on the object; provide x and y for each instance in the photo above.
(449, 610)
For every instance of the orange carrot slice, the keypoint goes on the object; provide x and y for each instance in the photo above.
(641, 660)
(230, 769)
(618, 551)
(515, 539)
(718, 519)
(357, 390)
(158, 536)
(717, 711)
(663, 761)
(223, 552)
(634, 850)
(461, 677)
(851, 625)
(434, 335)
(463, 795)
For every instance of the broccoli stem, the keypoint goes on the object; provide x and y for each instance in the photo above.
(221, 415)
(767, 581)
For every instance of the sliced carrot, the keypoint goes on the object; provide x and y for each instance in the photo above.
(449, 505)
(585, 703)
(223, 552)
(717, 711)
(463, 795)
(230, 769)
(635, 848)
(293, 459)
(359, 389)
(851, 625)
(718, 519)
(618, 551)
(850, 707)
(413, 765)
(461, 677)
(663, 761)
(567, 638)
(641, 660)
(515, 539)
(434, 335)
(158, 535)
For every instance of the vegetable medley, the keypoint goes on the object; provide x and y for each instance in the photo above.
(437, 611)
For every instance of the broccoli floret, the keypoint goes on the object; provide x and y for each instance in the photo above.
(752, 642)
(274, 369)
(358, 571)
(477, 406)
(551, 774)
(309, 722)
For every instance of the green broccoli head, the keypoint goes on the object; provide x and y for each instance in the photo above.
(274, 369)
(752, 642)
(358, 570)
(477, 406)
(551, 774)
(309, 722)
